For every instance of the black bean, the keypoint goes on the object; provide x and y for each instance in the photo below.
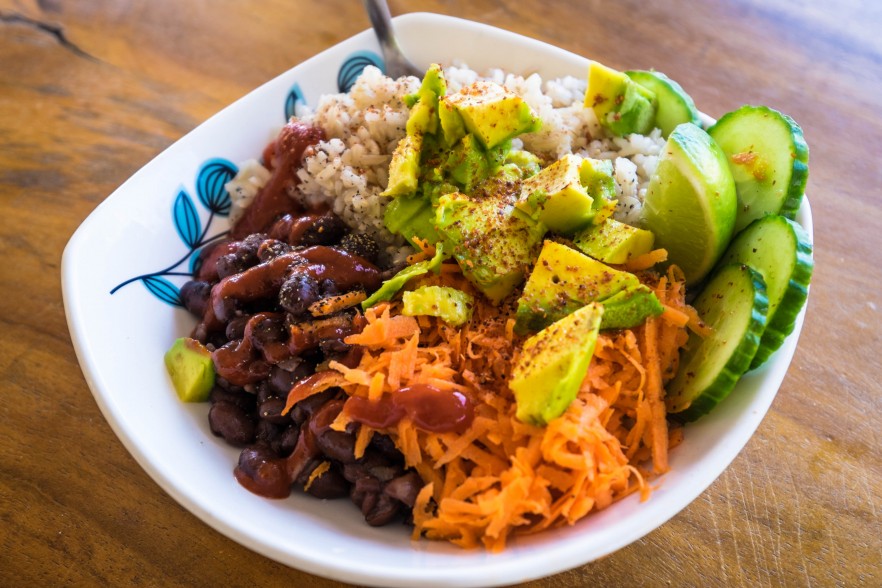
(364, 489)
(361, 245)
(287, 441)
(239, 397)
(304, 409)
(281, 381)
(232, 423)
(236, 327)
(298, 292)
(271, 410)
(242, 256)
(272, 248)
(195, 295)
(267, 329)
(331, 484)
(268, 433)
(328, 287)
(326, 230)
(337, 445)
(404, 488)
(266, 473)
(382, 511)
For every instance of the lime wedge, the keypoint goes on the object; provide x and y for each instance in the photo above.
(690, 205)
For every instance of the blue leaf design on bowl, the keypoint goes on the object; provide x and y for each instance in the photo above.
(354, 65)
(186, 219)
(210, 182)
(163, 289)
(295, 95)
(210, 187)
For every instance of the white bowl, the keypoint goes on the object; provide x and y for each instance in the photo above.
(120, 339)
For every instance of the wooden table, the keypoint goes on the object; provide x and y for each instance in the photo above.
(91, 90)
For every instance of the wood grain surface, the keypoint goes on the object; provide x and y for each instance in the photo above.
(91, 90)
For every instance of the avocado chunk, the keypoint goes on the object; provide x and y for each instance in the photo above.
(614, 242)
(556, 196)
(548, 373)
(191, 368)
(410, 217)
(451, 305)
(493, 243)
(390, 287)
(424, 113)
(404, 169)
(564, 280)
(489, 111)
(597, 177)
(621, 105)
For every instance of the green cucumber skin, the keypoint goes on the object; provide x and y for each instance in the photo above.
(792, 197)
(791, 244)
(728, 280)
(677, 105)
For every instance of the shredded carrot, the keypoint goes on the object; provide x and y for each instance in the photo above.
(502, 477)
(336, 303)
(647, 260)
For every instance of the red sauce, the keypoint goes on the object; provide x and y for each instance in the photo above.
(264, 279)
(273, 200)
(429, 408)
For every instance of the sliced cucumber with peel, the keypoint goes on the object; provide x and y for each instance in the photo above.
(734, 305)
(780, 250)
(768, 156)
(675, 106)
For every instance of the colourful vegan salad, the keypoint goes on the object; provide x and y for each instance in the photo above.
(485, 305)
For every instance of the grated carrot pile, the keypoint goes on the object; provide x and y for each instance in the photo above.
(501, 476)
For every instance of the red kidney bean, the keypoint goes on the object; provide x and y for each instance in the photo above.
(195, 295)
(270, 410)
(404, 488)
(331, 484)
(263, 473)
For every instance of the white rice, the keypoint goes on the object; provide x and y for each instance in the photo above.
(349, 170)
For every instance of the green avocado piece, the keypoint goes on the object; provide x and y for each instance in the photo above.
(621, 105)
(390, 287)
(467, 164)
(614, 242)
(411, 216)
(404, 169)
(564, 280)
(489, 111)
(493, 244)
(597, 177)
(452, 126)
(528, 164)
(556, 196)
(549, 371)
(191, 368)
(423, 117)
(452, 305)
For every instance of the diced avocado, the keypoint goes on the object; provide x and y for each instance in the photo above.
(493, 244)
(451, 305)
(527, 163)
(621, 105)
(191, 369)
(411, 216)
(390, 287)
(424, 113)
(548, 373)
(491, 112)
(404, 170)
(597, 177)
(557, 197)
(564, 280)
(467, 163)
(452, 126)
(614, 242)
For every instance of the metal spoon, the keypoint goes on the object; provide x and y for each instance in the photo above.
(397, 64)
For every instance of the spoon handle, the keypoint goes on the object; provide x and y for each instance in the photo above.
(381, 20)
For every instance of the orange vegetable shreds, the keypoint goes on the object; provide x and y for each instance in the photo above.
(647, 260)
(501, 477)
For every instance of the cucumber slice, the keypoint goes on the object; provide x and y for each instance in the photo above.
(768, 156)
(734, 305)
(675, 106)
(780, 250)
